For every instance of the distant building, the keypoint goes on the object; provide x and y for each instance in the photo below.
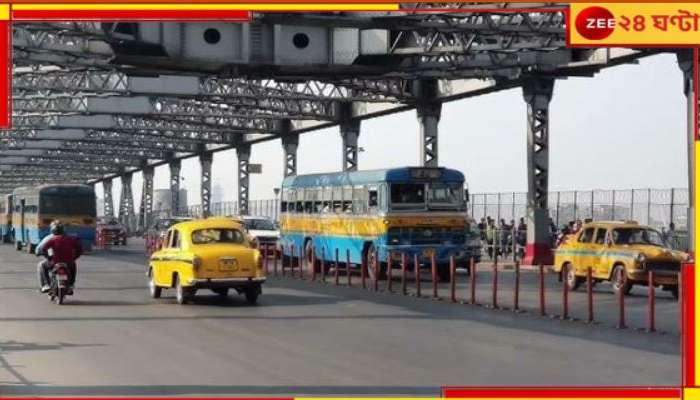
(161, 200)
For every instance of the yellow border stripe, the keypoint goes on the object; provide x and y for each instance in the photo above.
(697, 273)
(214, 7)
(4, 12)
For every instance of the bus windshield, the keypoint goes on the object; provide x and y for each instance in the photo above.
(68, 204)
(408, 196)
(445, 195)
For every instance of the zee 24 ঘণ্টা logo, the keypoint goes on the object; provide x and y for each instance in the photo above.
(595, 23)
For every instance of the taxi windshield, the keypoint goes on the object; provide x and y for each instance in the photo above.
(637, 236)
(259, 224)
(217, 235)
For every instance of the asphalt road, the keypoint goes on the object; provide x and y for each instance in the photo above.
(302, 338)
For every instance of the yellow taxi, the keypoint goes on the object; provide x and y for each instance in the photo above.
(620, 252)
(213, 253)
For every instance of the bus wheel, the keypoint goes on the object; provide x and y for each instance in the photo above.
(370, 256)
(308, 254)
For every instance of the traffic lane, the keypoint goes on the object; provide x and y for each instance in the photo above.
(302, 338)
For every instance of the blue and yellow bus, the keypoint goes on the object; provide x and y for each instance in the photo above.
(411, 210)
(36, 207)
(6, 218)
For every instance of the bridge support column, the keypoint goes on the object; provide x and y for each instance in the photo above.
(146, 207)
(428, 112)
(537, 94)
(108, 202)
(126, 202)
(243, 153)
(205, 160)
(685, 61)
(175, 166)
(350, 133)
(290, 144)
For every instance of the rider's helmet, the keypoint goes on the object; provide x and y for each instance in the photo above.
(57, 227)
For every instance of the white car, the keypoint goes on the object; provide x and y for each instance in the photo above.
(263, 229)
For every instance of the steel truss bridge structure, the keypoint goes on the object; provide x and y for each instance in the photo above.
(97, 101)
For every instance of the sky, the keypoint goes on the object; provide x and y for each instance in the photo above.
(624, 128)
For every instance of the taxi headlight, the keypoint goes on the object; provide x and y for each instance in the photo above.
(641, 258)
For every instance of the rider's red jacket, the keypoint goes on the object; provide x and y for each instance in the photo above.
(66, 249)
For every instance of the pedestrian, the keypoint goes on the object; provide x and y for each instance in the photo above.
(490, 235)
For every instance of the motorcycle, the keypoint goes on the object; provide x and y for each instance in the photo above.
(58, 281)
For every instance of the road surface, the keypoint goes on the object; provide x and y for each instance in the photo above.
(302, 338)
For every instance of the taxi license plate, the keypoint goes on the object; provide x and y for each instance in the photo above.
(227, 264)
(428, 252)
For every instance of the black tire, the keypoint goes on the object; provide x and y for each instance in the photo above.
(153, 289)
(182, 295)
(124, 242)
(370, 257)
(570, 279)
(619, 280)
(223, 292)
(60, 294)
(18, 245)
(443, 272)
(674, 292)
(308, 251)
(251, 295)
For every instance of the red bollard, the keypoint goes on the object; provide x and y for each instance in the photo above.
(376, 268)
(302, 261)
(565, 295)
(403, 274)
(494, 291)
(543, 311)
(266, 259)
(313, 264)
(323, 264)
(433, 270)
(363, 271)
(274, 262)
(472, 283)
(453, 278)
(589, 293)
(336, 272)
(621, 301)
(347, 267)
(291, 259)
(516, 289)
(389, 277)
(416, 271)
(651, 324)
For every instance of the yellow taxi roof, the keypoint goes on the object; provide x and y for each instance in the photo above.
(615, 224)
(212, 222)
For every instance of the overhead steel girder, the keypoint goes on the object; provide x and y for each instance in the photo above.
(144, 105)
(96, 145)
(87, 160)
(153, 137)
(223, 126)
(112, 81)
(51, 41)
(53, 166)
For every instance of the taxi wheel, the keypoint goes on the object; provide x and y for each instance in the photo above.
(674, 292)
(620, 283)
(572, 281)
(182, 295)
(153, 289)
(251, 295)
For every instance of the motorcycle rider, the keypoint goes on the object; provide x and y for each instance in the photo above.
(66, 249)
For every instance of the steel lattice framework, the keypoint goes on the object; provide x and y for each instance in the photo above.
(82, 115)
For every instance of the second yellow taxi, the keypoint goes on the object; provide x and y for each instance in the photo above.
(213, 253)
(620, 252)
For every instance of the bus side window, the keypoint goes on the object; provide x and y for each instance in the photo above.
(373, 202)
(308, 207)
(359, 199)
(300, 207)
(283, 206)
